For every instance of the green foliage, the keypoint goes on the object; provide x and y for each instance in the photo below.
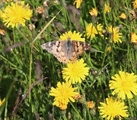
(27, 72)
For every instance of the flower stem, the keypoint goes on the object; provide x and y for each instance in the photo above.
(130, 109)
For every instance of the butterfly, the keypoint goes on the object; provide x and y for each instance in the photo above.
(66, 50)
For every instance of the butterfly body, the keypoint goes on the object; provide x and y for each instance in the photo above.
(66, 50)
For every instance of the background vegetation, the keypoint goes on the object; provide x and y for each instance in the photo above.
(27, 72)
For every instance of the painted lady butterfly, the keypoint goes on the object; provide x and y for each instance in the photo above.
(67, 50)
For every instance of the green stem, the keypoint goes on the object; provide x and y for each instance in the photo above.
(14, 66)
(130, 108)
(23, 35)
(38, 36)
(80, 118)
(6, 100)
(30, 82)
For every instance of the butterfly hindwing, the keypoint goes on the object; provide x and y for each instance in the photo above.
(79, 48)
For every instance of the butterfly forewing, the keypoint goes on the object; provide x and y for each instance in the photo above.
(66, 50)
(58, 49)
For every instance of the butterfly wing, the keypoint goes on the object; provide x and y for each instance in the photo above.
(78, 48)
(58, 49)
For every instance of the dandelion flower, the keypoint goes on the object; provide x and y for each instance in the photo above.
(64, 93)
(62, 106)
(133, 37)
(112, 109)
(93, 12)
(90, 104)
(100, 29)
(16, 14)
(78, 3)
(108, 49)
(135, 4)
(107, 8)
(2, 101)
(115, 34)
(75, 72)
(72, 35)
(91, 31)
(77, 97)
(123, 16)
(124, 85)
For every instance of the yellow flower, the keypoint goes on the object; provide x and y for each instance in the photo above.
(124, 84)
(75, 72)
(77, 97)
(2, 101)
(108, 49)
(99, 29)
(115, 34)
(62, 106)
(93, 12)
(90, 104)
(135, 4)
(133, 37)
(107, 8)
(113, 109)
(64, 93)
(123, 16)
(72, 35)
(16, 14)
(91, 31)
(78, 3)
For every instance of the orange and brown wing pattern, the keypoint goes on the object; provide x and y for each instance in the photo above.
(67, 50)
